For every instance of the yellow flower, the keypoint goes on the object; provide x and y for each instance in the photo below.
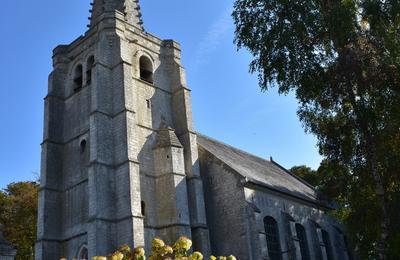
(183, 243)
(196, 256)
(168, 250)
(125, 249)
(99, 258)
(139, 251)
(213, 258)
(117, 256)
(158, 243)
(231, 257)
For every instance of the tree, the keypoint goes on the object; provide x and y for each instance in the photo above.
(18, 213)
(342, 60)
(306, 173)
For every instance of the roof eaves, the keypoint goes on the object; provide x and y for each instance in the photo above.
(318, 203)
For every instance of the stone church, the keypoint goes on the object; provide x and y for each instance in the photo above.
(122, 163)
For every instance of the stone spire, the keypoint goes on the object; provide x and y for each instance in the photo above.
(130, 8)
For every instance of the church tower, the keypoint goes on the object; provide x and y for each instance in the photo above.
(119, 153)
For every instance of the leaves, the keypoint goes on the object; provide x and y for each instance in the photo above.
(342, 59)
(18, 213)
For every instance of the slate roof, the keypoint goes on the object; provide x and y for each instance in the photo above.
(259, 171)
(167, 137)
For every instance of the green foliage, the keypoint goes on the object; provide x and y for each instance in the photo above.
(342, 59)
(18, 213)
(306, 173)
(160, 251)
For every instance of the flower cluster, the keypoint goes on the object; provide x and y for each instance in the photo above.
(231, 257)
(160, 251)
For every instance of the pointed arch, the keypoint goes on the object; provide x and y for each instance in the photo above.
(83, 253)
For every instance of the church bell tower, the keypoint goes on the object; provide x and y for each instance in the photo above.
(119, 153)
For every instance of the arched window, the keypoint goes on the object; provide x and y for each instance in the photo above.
(78, 78)
(83, 146)
(272, 234)
(327, 243)
(302, 236)
(89, 68)
(83, 253)
(146, 69)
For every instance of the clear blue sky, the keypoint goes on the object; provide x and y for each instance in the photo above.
(227, 103)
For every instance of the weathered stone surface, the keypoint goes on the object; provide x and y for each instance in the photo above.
(110, 175)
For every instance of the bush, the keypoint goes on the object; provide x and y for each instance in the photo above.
(161, 251)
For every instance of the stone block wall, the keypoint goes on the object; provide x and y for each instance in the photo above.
(100, 184)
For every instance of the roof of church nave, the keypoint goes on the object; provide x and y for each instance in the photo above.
(260, 171)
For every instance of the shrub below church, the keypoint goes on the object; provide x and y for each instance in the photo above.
(160, 251)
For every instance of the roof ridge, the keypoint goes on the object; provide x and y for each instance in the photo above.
(294, 175)
(235, 148)
(269, 173)
(269, 161)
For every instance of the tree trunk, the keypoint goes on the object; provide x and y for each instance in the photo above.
(381, 194)
(372, 161)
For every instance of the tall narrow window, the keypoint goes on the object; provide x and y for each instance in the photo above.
(89, 68)
(302, 236)
(272, 234)
(327, 243)
(83, 253)
(146, 69)
(78, 78)
(143, 206)
(83, 146)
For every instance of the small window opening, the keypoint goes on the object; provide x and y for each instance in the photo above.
(83, 254)
(302, 237)
(148, 102)
(78, 78)
(143, 207)
(146, 69)
(89, 68)
(83, 146)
